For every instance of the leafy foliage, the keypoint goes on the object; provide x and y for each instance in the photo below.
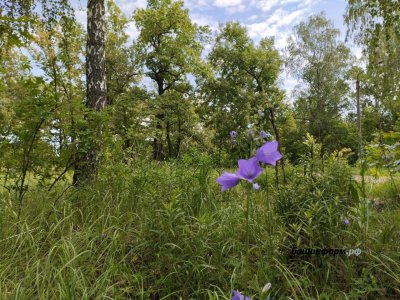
(320, 61)
(154, 224)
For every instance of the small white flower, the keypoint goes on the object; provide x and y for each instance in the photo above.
(266, 287)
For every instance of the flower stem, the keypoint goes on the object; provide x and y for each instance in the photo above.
(266, 187)
(247, 225)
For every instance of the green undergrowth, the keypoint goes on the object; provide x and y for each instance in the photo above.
(386, 195)
(165, 231)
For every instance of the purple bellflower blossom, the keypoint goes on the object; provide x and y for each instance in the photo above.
(238, 296)
(346, 222)
(268, 153)
(228, 180)
(264, 135)
(249, 169)
(233, 134)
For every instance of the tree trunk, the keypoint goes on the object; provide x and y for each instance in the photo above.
(277, 137)
(179, 139)
(86, 164)
(169, 142)
(158, 147)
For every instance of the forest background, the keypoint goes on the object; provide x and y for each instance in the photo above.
(110, 149)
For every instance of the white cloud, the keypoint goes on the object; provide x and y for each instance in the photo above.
(357, 52)
(197, 4)
(227, 3)
(307, 3)
(281, 40)
(289, 84)
(207, 47)
(81, 16)
(132, 31)
(202, 4)
(279, 24)
(291, 18)
(236, 9)
(203, 20)
(264, 5)
(128, 6)
(252, 17)
(284, 2)
(258, 30)
(268, 27)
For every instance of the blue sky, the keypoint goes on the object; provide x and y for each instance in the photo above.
(261, 17)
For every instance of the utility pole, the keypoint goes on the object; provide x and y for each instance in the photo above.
(360, 151)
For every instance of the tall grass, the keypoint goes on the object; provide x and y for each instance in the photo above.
(165, 231)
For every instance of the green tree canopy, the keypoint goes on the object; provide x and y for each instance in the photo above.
(320, 61)
(169, 46)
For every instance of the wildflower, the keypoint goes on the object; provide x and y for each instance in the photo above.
(266, 287)
(260, 113)
(268, 153)
(256, 186)
(346, 222)
(250, 125)
(233, 134)
(239, 296)
(228, 180)
(264, 134)
(249, 169)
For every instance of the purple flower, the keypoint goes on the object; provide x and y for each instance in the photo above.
(249, 169)
(346, 222)
(239, 296)
(256, 186)
(268, 153)
(228, 180)
(233, 134)
(264, 135)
